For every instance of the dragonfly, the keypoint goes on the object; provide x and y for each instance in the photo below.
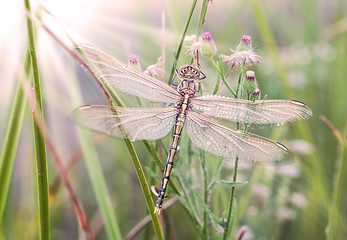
(198, 114)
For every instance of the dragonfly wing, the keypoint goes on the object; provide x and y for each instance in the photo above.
(136, 123)
(120, 77)
(226, 142)
(257, 112)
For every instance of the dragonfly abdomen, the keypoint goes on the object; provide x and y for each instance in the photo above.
(181, 117)
(168, 167)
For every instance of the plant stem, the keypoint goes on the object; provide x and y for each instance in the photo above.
(40, 146)
(203, 166)
(228, 226)
(232, 196)
(223, 79)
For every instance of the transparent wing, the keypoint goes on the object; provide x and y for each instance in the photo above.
(226, 142)
(126, 80)
(137, 123)
(257, 112)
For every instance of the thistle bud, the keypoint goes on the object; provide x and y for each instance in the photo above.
(208, 46)
(256, 92)
(255, 95)
(250, 84)
(250, 76)
(134, 63)
(246, 40)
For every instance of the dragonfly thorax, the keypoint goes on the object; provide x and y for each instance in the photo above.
(189, 76)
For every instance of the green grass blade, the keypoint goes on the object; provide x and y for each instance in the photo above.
(335, 224)
(40, 146)
(95, 173)
(202, 17)
(145, 188)
(99, 186)
(192, 8)
(11, 140)
(140, 174)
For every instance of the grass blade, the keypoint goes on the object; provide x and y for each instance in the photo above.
(40, 146)
(11, 140)
(202, 17)
(192, 8)
(335, 229)
(140, 174)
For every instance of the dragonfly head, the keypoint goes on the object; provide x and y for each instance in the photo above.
(189, 72)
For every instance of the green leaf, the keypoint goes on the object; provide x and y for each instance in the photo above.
(206, 208)
(8, 151)
(231, 184)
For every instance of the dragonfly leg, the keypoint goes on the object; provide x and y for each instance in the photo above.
(173, 81)
(175, 64)
(203, 77)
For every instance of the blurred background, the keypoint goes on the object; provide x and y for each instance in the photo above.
(304, 57)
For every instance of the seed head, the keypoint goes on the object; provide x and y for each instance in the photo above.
(192, 46)
(243, 55)
(153, 70)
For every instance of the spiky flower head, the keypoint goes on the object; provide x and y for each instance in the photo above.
(208, 46)
(134, 63)
(243, 55)
(193, 46)
(153, 70)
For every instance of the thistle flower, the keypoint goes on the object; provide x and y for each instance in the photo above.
(285, 214)
(208, 46)
(134, 63)
(301, 147)
(298, 200)
(243, 55)
(192, 46)
(152, 70)
(261, 191)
